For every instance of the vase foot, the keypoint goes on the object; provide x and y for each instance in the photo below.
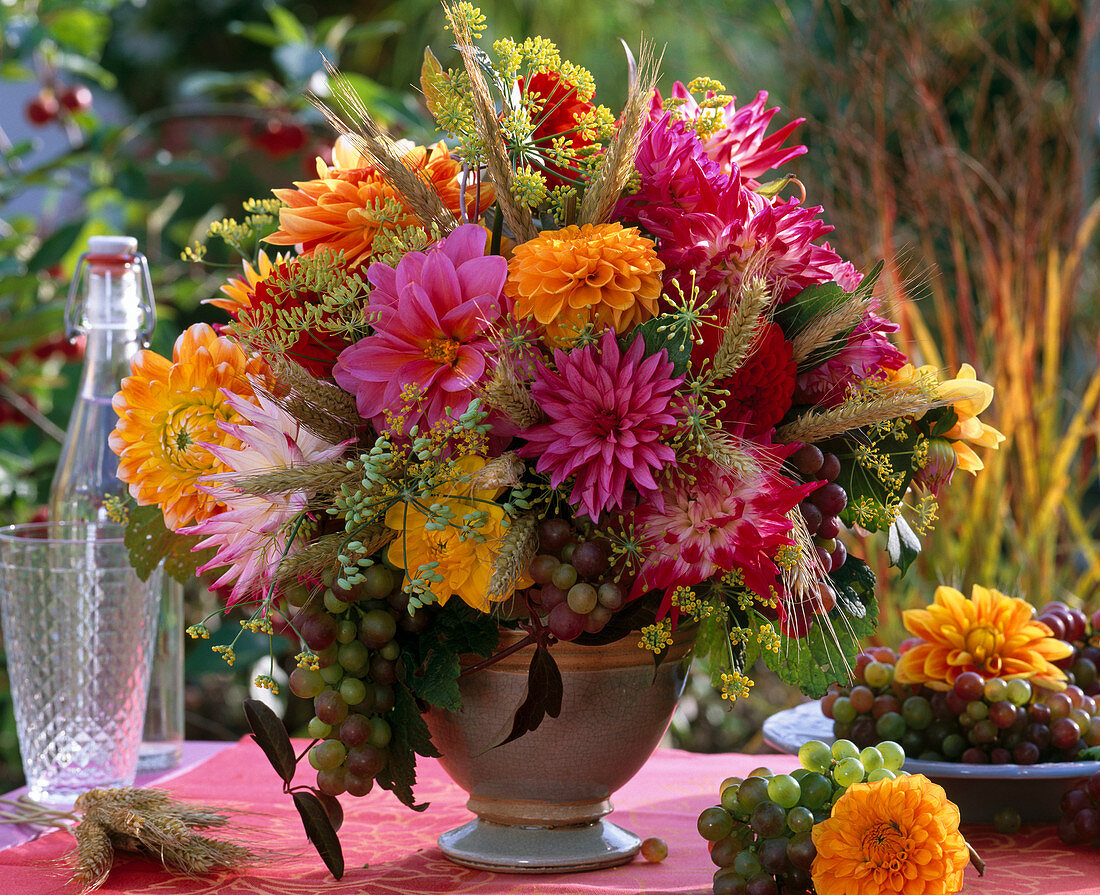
(509, 849)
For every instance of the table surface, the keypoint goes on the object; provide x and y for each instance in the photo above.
(390, 850)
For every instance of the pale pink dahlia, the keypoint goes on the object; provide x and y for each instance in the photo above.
(254, 534)
(742, 142)
(435, 312)
(715, 523)
(608, 414)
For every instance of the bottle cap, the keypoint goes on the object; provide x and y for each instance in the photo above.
(112, 245)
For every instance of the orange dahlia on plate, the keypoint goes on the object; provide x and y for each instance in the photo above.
(991, 634)
(893, 836)
(168, 410)
(348, 204)
(597, 274)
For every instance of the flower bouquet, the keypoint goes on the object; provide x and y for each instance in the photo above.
(574, 375)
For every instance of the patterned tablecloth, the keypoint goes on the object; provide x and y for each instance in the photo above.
(390, 850)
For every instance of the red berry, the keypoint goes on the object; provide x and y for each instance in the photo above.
(42, 109)
(76, 98)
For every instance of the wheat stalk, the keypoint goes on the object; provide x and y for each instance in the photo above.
(325, 476)
(500, 472)
(369, 140)
(746, 320)
(321, 554)
(854, 414)
(829, 325)
(618, 160)
(506, 393)
(517, 549)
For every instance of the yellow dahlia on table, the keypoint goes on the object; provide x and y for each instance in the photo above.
(169, 409)
(596, 275)
(991, 634)
(893, 836)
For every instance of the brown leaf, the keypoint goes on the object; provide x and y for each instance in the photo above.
(320, 831)
(271, 736)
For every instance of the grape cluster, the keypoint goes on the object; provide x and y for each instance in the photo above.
(1080, 820)
(353, 635)
(760, 836)
(577, 588)
(1083, 634)
(977, 721)
(822, 508)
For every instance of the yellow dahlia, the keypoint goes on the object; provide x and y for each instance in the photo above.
(600, 274)
(893, 837)
(168, 409)
(345, 207)
(464, 561)
(991, 634)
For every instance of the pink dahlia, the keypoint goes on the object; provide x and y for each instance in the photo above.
(868, 353)
(742, 142)
(714, 522)
(253, 534)
(434, 314)
(608, 413)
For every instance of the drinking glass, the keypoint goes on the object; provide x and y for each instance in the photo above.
(78, 627)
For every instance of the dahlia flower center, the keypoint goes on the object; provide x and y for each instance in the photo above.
(606, 423)
(442, 351)
(885, 846)
(183, 428)
(982, 643)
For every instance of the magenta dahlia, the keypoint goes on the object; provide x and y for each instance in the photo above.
(715, 522)
(434, 314)
(742, 142)
(608, 414)
(867, 353)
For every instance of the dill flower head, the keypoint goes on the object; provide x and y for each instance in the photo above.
(991, 634)
(889, 837)
(596, 275)
(169, 412)
(557, 111)
(609, 416)
(347, 205)
(253, 534)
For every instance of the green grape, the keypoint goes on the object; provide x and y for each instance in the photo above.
(844, 749)
(890, 726)
(380, 733)
(800, 819)
(848, 771)
(728, 783)
(843, 711)
(872, 759)
(729, 797)
(893, 756)
(977, 710)
(996, 690)
(334, 604)
(917, 712)
(1018, 692)
(880, 774)
(816, 756)
(799, 773)
(318, 729)
(306, 683)
(816, 790)
(878, 674)
(953, 746)
(331, 674)
(746, 864)
(784, 790)
(765, 772)
(327, 755)
(714, 823)
(353, 657)
(353, 690)
(346, 631)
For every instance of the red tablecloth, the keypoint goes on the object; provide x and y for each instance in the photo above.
(390, 850)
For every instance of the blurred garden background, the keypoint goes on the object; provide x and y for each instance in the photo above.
(954, 139)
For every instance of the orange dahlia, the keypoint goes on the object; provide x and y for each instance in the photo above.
(991, 634)
(240, 292)
(167, 410)
(600, 274)
(345, 207)
(893, 836)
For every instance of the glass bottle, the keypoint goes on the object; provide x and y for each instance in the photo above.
(111, 304)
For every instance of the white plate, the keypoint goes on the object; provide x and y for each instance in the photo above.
(978, 789)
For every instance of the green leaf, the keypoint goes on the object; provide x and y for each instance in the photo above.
(466, 630)
(319, 830)
(436, 682)
(939, 421)
(410, 738)
(862, 484)
(542, 698)
(286, 23)
(271, 736)
(663, 332)
(828, 652)
(55, 246)
(79, 28)
(902, 544)
(256, 32)
(431, 81)
(150, 542)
